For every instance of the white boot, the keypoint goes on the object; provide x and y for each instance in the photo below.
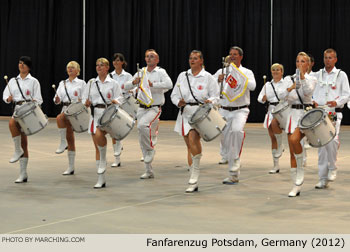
(18, 149)
(322, 184)
(63, 144)
(296, 189)
(117, 162)
(280, 147)
(300, 169)
(276, 167)
(117, 147)
(233, 171)
(103, 162)
(101, 180)
(149, 172)
(71, 159)
(23, 177)
(193, 182)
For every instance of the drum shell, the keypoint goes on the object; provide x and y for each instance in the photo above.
(281, 113)
(78, 115)
(320, 133)
(31, 121)
(119, 125)
(210, 125)
(130, 106)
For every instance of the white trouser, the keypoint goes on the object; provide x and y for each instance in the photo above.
(327, 155)
(147, 126)
(233, 135)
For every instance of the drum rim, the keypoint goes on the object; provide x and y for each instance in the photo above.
(34, 105)
(113, 106)
(314, 125)
(78, 112)
(282, 109)
(191, 122)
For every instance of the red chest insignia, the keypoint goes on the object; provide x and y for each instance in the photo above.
(123, 86)
(200, 87)
(334, 87)
(109, 95)
(232, 82)
(27, 92)
(75, 93)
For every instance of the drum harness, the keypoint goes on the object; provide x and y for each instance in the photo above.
(70, 101)
(99, 105)
(24, 99)
(191, 103)
(302, 105)
(273, 103)
(333, 83)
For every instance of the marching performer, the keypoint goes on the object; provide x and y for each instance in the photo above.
(237, 84)
(121, 77)
(99, 94)
(272, 93)
(151, 82)
(332, 91)
(21, 89)
(194, 87)
(300, 98)
(69, 91)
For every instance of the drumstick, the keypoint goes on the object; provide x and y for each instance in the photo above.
(7, 84)
(178, 85)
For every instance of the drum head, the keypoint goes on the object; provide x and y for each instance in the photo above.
(107, 114)
(74, 108)
(200, 113)
(24, 108)
(311, 118)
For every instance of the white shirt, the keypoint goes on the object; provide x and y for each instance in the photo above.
(280, 87)
(75, 90)
(203, 85)
(332, 87)
(121, 79)
(244, 99)
(305, 91)
(109, 89)
(161, 84)
(30, 87)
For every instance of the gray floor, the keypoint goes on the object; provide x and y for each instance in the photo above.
(52, 203)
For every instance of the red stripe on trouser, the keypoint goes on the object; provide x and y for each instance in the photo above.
(92, 126)
(290, 125)
(150, 127)
(182, 127)
(240, 151)
(267, 121)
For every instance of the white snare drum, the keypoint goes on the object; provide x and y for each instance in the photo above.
(78, 115)
(317, 127)
(116, 122)
(30, 117)
(281, 112)
(208, 122)
(130, 106)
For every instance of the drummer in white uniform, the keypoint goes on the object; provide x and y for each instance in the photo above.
(300, 98)
(236, 114)
(69, 91)
(148, 116)
(121, 77)
(21, 89)
(101, 93)
(194, 87)
(332, 91)
(273, 92)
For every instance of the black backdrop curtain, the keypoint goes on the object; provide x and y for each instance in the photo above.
(50, 31)
(312, 26)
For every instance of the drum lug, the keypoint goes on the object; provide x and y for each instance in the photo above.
(130, 127)
(81, 128)
(319, 142)
(218, 128)
(331, 133)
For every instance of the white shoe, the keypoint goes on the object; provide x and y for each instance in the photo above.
(63, 146)
(322, 184)
(332, 175)
(142, 159)
(274, 171)
(16, 156)
(23, 177)
(147, 175)
(18, 149)
(149, 156)
(223, 161)
(231, 180)
(101, 182)
(192, 188)
(279, 151)
(69, 171)
(276, 168)
(118, 148)
(117, 162)
(295, 191)
(307, 145)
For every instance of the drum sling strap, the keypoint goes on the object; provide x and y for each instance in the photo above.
(189, 86)
(65, 88)
(274, 90)
(14, 104)
(93, 107)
